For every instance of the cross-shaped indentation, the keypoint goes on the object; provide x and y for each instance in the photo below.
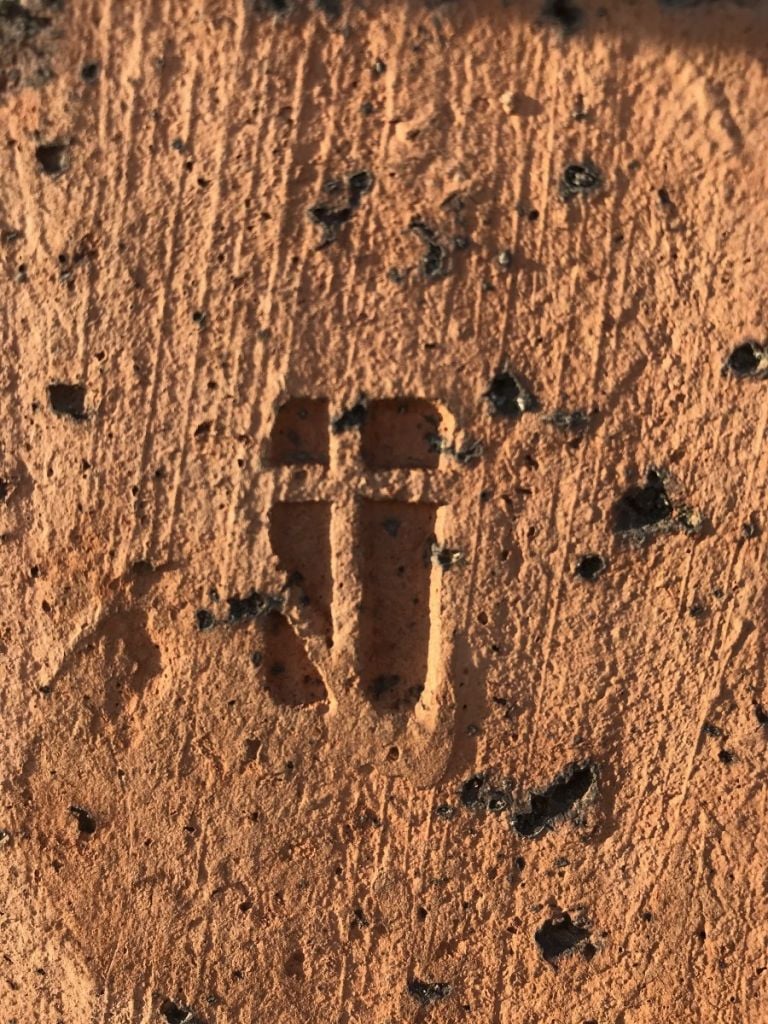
(357, 512)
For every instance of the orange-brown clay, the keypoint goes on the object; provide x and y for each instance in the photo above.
(383, 489)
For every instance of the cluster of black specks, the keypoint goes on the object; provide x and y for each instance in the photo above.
(478, 793)
(560, 935)
(465, 454)
(750, 359)
(427, 992)
(351, 418)
(434, 262)
(68, 400)
(552, 804)
(343, 200)
(509, 397)
(714, 732)
(68, 264)
(177, 1013)
(579, 179)
(589, 567)
(575, 422)
(86, 823)
(240, 609)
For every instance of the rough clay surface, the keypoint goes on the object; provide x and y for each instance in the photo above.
(360, 762)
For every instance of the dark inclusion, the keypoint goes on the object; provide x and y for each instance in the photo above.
(251, 606)
(567, 14)
(384, 684)
(24, 22)
(332, 215)
(434, 262)
(86, 823)
(241, 609)
(330, 8)
(643, 505)
(52, 158)
(68, 400)
(576, 421)
(351, 418)
(579, 179)
(204, 619)
(750, 359)
(559, 936)
(554, 802)
(478, 794)
(589, 567)
(178, 1014)
(469, 451)
(428, 992)
(508, 396)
